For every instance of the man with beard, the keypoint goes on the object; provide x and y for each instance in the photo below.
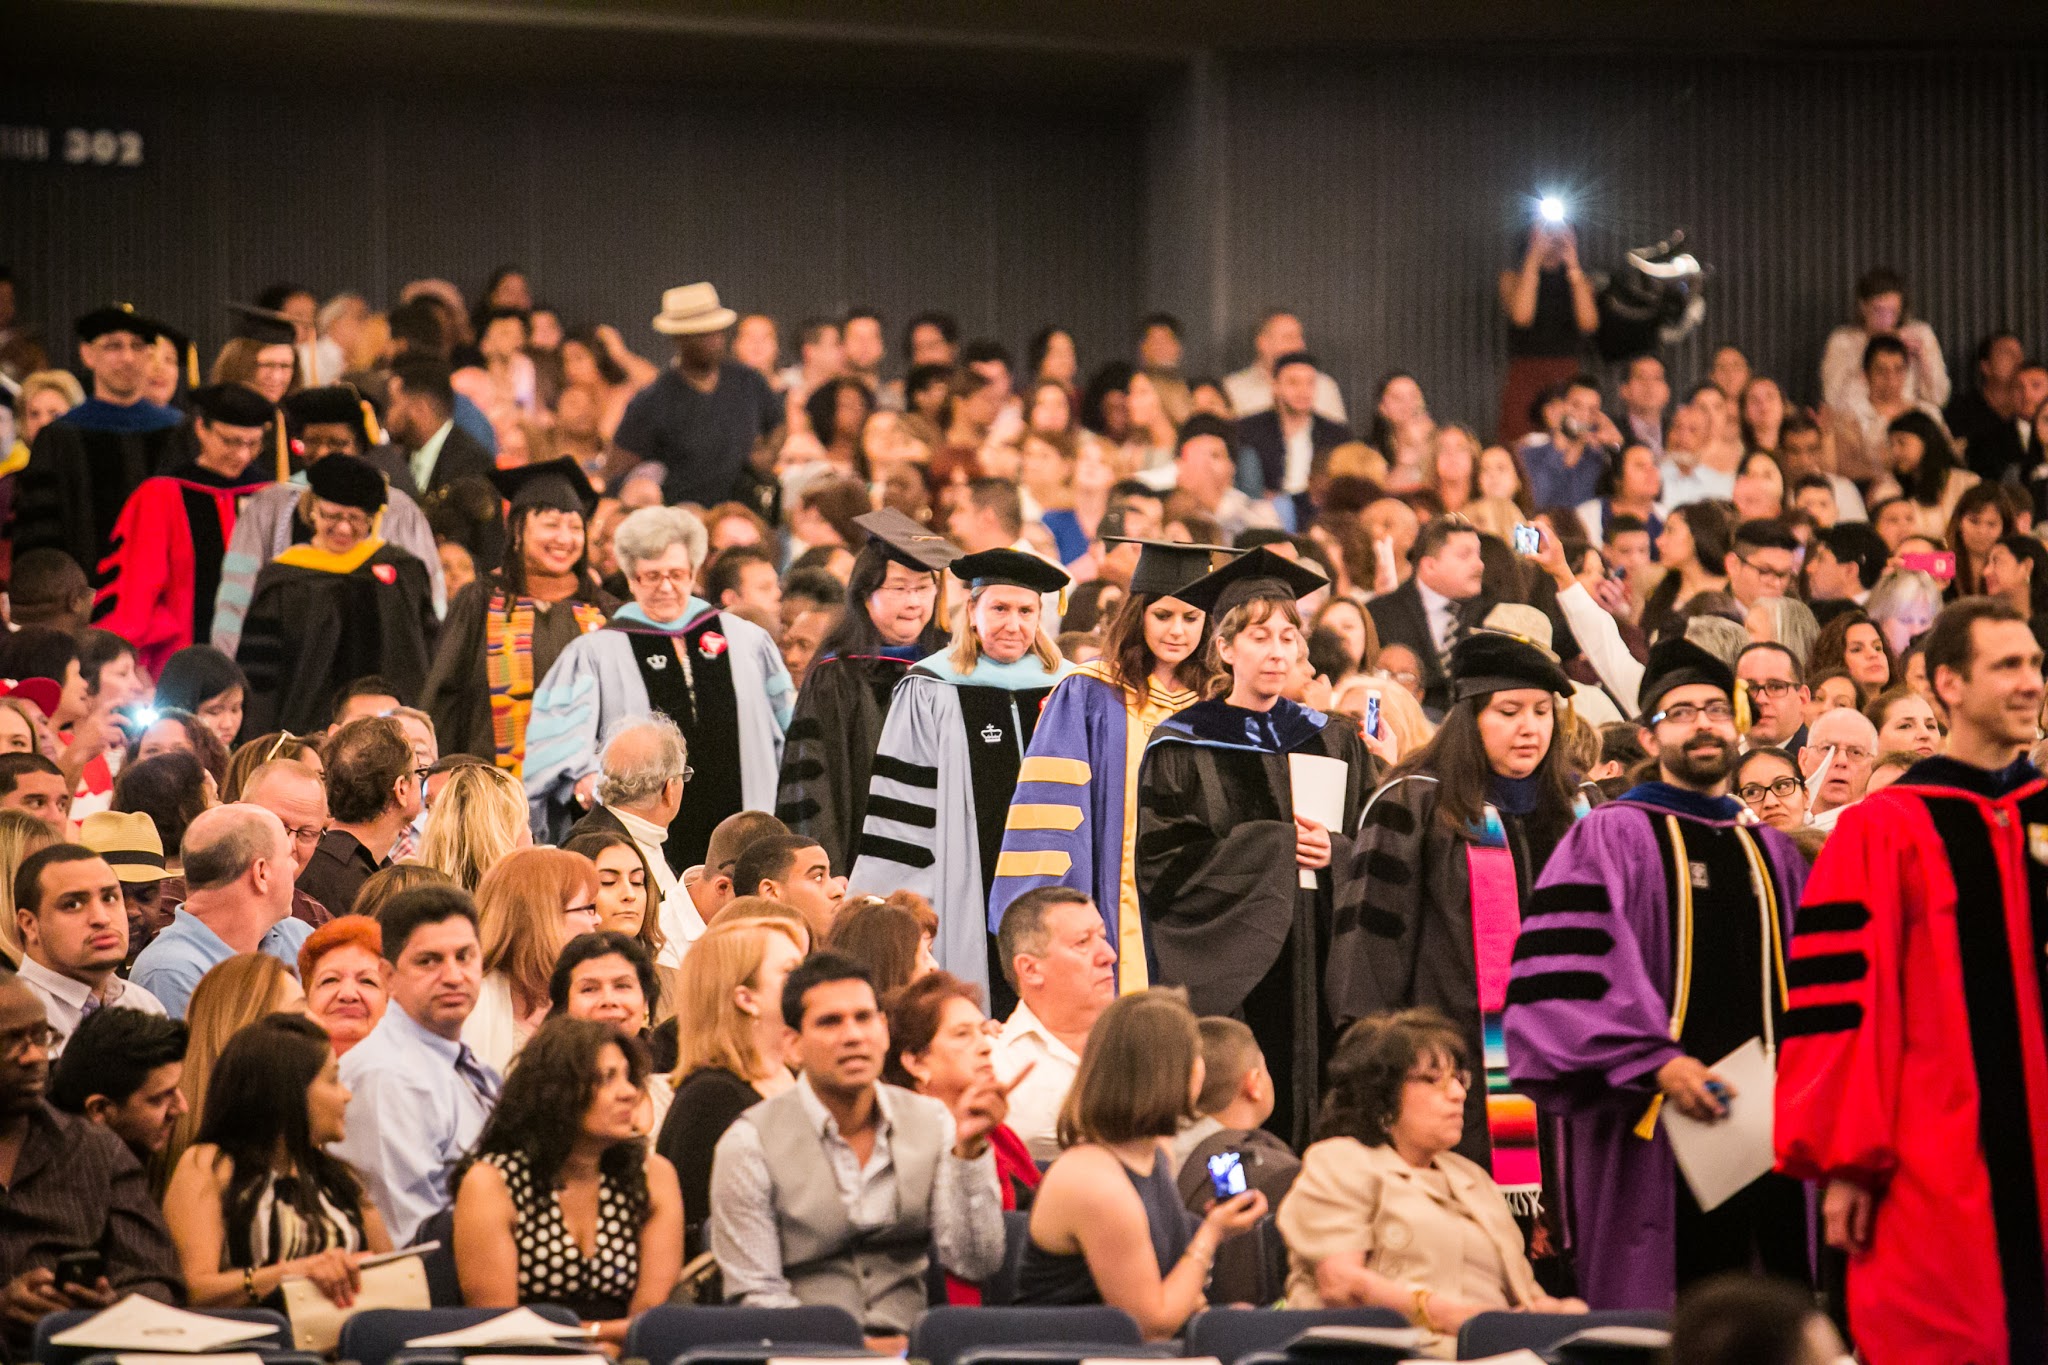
(1652, 948)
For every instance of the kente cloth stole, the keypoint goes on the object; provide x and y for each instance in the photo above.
(508, 667)
(1496, 919)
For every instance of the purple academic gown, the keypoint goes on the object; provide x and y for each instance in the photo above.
(1588, 1051)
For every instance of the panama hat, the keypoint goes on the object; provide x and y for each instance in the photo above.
(692, 310)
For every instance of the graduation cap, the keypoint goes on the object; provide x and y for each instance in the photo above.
(264, 326)
(1488, 661)
(558, 484)
(1253, 575)
(349, 481)
(235, 405)
(117, 317)
(904, 540)
(993, 568)
(1678, 662)
(1167, 566)
(332, 405)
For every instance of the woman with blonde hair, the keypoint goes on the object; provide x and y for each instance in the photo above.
(528, 906)
(278, 746)
(729, 1048)
(21, 835)
(231, 996)
(479, 817)
(1785, 621)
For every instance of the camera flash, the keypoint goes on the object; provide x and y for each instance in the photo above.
(1550, 208)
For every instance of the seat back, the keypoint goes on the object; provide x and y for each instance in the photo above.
(374, 1335)
(942, 1335)
(51, 1324)
(1231, 1333)
(663, 1333)
(1000, 1290)
(1492, 1334)
(444, 1290)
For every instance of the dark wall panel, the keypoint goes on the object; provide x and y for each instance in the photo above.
(1377, 197)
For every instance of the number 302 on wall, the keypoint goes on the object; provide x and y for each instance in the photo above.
(102, 147)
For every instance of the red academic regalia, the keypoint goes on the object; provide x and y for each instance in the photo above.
(163, 572)
(1914, 1062)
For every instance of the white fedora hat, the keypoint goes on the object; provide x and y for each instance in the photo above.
(691, 310)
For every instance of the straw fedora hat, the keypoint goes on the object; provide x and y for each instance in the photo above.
(129, 843)
(692, 310)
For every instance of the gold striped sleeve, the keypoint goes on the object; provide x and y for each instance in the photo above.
(1057, 816)
(1072, 772)
(1016, 863)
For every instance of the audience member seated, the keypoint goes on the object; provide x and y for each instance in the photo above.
(171, 790)
(1752, 1320)
(795, 870)
(121, 1069)
(1058, 959)
(295, 794)
(1384, 1213)
(418, 1095)
(21, 836)
(228, 999)
(73, 922)
(1768, 782)
(181, 732)
(257, 1199)
(610, 978)
(528, 906)
(1844, 742)
(939, 1046)
(388, 883)
(372, 795)
(29, 782)
(841, 1189)
(1108, 1226)
(341, 967)
(131, 846)
(1777, 696)
(477, 819)
(561, 1202)
(238, 865)
(72, 1187)
(1236, 1098)
(624, 882)
(645, 768)
(709, 884)
(730, 1045)
(892, 938)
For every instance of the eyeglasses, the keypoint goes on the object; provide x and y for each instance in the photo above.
(284, 737)
(1753, 793)
(588, 912)
(1775, 688)
(14, 1042)
(239, 442)
(1685, 713)
(1854, 753)
(676, 578)
(1768, 575)
(354, 520)
(1441, 1079)
(686, 774)
(306, 834)
(420, 775)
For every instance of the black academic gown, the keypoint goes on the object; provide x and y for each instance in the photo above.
(81, 471)
(828, 753)
(1225, 914)
(458, 690)
(317, 622)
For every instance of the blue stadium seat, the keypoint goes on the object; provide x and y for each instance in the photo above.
(666, 1333)
(943, 1335)
(1492, 1334)
(375, 1335)
(1230, 1333)
(53, 1323)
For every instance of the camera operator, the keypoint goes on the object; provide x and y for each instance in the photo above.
(1551, 314)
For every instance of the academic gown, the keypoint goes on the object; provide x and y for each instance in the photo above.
(494, 649)
(319, 621)
(1645, 940)
(828, 756)
(1431, 920)
(944, 771)
(1225, 913)
(1074, 819)
(81, 472)
(164, 572)
(717, 675)
(1915, 1064)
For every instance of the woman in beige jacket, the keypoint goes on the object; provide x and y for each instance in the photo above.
(1384, 1214)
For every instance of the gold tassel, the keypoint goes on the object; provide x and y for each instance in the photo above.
(284, 453)
(191, 365)
(370, 424)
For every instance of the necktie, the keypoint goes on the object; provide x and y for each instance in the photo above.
(479, 1077)
(90, 1007)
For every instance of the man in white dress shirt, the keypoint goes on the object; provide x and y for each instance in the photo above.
(1250, 389)
(1058, 958)
(73, 921)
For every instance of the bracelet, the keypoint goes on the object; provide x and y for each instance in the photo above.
(1419, 1314)
(249, 1283)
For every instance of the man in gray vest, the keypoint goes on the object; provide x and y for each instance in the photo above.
(838, 1190)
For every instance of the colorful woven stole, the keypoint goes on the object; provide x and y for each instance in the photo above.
(508, 668)
(1496, 920)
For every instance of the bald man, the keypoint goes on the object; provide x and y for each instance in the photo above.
(1854, 741)
(238, 899)
(295, 794)
(642, 772)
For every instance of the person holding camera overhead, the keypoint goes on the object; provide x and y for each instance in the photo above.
(1551, 313)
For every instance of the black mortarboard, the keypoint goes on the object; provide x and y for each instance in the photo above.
(266, 326)
(1258, 573)
(1487, 661)
(236, 405)
(1678, 662)
(117, 317)
(906, 541)
(558, 484)
(1167, 566)
(349, 481)
(1014, 567)
(333, 405)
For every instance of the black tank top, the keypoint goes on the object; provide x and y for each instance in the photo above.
(1045, 1277)
(1554, 330)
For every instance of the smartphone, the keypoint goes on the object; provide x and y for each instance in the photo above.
(1226, 1175)
(1372, 713)
(1939, 564)
(82, 1269)
(1528, 539)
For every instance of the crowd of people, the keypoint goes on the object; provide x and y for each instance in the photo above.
(759, 828)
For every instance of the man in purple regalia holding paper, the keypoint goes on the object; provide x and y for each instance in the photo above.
(1652, 948)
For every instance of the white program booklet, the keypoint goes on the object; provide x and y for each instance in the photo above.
(140, 1324)
(1722, 1158)
(1318, 789)
(520, 1327)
